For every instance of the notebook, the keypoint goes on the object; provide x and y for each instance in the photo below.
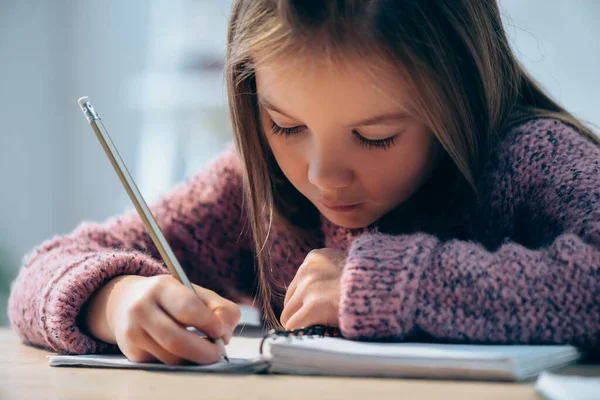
(558, 387)
(320, 350)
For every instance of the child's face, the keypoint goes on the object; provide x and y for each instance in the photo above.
(352, 150)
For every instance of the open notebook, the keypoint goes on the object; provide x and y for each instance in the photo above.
(336, 356)
(315, 354)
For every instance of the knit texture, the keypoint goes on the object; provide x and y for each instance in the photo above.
(524, 268)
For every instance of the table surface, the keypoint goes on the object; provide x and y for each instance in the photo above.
(25, 374)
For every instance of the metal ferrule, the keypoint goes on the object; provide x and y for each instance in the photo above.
(89, 112)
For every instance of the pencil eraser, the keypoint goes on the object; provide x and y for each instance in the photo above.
(82, 100)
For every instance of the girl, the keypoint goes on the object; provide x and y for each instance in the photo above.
(400, 175)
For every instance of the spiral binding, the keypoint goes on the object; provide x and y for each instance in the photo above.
(308, 332)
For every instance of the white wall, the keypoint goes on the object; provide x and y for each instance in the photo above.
(52, 170)
(53, 173)
(558, 41)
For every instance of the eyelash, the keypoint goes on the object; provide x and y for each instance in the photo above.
(383, 144)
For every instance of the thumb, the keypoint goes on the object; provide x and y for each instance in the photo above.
(226, 310)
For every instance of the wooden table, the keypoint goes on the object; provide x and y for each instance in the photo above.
(25, 374)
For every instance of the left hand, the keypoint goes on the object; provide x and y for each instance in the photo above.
(313, 297)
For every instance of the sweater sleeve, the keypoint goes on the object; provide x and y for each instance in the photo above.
(398, 287)
(202, 221)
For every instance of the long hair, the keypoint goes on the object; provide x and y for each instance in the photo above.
(464, 81)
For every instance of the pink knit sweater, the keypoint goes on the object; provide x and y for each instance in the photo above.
(522, 265)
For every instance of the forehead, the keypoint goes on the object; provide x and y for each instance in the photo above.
(295, 77)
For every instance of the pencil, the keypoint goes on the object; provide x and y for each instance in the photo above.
(140, 205)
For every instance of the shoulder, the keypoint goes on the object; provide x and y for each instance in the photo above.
(219, 181)
(228, 161)
(548, 135)
(224, 168)
(542, 147)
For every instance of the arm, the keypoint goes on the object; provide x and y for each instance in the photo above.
(399, 286)
(202, 220)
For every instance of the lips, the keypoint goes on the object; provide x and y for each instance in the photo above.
(340, 207)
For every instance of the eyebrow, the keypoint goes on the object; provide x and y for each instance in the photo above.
(377, 120)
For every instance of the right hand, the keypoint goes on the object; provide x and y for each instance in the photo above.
(147, 318)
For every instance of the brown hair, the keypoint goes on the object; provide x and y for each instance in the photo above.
(466, 84)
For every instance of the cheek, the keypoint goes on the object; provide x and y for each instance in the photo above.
(407, 166)
(290, 159)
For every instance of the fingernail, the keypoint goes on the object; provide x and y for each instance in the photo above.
(227, 334)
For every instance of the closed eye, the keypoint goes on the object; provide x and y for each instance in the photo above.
(382, 144)
(279, 130)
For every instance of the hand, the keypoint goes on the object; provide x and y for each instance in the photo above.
(313, 297)
(147, 318)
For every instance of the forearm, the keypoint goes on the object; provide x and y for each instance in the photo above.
(397, 286)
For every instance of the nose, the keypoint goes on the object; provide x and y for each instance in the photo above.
(328, 169)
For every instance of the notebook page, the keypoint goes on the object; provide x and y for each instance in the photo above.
(560, 387)
(242, 351)
(420, 350)
(236, 365)
(336, 356)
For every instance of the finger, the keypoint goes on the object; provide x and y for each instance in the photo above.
(300, 319)
(189, 309)
(155, 351)
(297, 298)
(291, 289)
(317, 308)
(226, 310)
(138, 355)
(309, 315)
(294, 304)
(312, 257)
(176, 340)
(143, 349)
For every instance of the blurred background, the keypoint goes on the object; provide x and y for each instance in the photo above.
(153, 69)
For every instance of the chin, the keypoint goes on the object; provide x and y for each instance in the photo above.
(349, 221)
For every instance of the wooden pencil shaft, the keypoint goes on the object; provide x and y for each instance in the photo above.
(140, 204)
